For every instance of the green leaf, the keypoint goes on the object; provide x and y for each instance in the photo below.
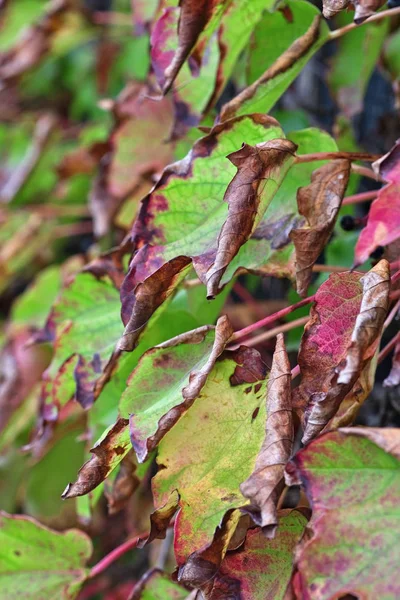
(353, 486)
(33, 306)
(36, 562)
(156, 585)
(212, 449)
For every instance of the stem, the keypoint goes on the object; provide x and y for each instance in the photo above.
(377, 17)
(105, 562)
(388, 348)
(248, 299)
(113, 18)
(295, 371)
(365, 172)
(362, 197)
(271, 318)
(305, 158)
(271, 333)
(392, 314)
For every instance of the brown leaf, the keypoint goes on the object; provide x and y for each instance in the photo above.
(161, 518)
(194, 16)
(123, 486)
(256, 165)
(265, 484)
(388, 439)
(393, 378)
(366, 8)
(369, 322)
(319, 203)
(147, 297)
(107, 453)
(298, 49)
(333, 7)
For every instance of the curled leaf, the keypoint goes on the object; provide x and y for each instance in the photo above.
(259, 167)
(167, 380)
(366, 8)
(333, 7)
(369, 322)
(265, 484)
(319, 203)
(107, 454)
(147, 297)
(123, 485)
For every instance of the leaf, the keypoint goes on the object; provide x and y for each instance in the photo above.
(319, 204)
(369, 321)
(353, 486)
(108, 452)
(139, 141)
(383, 226)
(393, 378)
(353, 63)
(261, 568)
(194, 16)
(265, 484)
(333, 7)
(167, 380)
(85, 325)
(147, 296)
(335, 334)
(123, 486)
(211, 450)
(262, 94)
(366, 8)
(259, 168)
(37, 562)
(156, 585)
(188, 222)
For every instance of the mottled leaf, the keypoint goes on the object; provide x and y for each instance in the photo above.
(330, 343)
(139, 303)
(108, 452)
(211, 450)
(156, 585)
(37, 562)
(265, 484)
(167, 380)
(262, 568)
(262, 94)
(353, 486)
(319, 204)
(383, 226)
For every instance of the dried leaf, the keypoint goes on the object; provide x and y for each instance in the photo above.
(333, 7)
(262, 568)
(319, 203)
(353, 486)
(167, 380)
(123, 486)
(147, 296)
(107, 454)
(369, 322)
(258, 167)
(366, 8)
(299, 48)
(383, 226)
(327, 342)
(265, 484)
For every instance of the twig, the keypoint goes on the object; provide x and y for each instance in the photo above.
(392, 314)
(365, 172)
(305, 158)
(295, 371)
(112, 18)
(388, 348)
(362, 197)
(105, 562)
(271, 333)
(271, 318)
(376, 17)
(248, 299)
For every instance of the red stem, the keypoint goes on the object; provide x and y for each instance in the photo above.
(334, 155)
(105, 562)
(388, 348)
(271, 318)
(362, 197)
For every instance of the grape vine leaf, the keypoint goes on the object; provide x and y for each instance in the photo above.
(319, 204)
(37, 562)
(353, 486)
(229, 414)
(265, 484)
(383, 226)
